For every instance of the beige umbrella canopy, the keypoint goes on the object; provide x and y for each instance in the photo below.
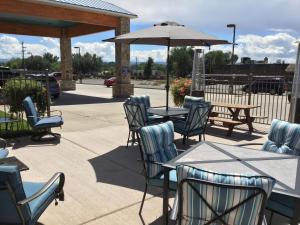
(169, 34)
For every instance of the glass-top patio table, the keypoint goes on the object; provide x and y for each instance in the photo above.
(172, 111)
(232, 159)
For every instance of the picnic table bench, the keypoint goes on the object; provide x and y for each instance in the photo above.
(234, 113)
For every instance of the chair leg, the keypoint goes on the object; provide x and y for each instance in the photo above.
(143, 199)
(203, 137)
(271, 217)
(128, 139)
(199, 137)
(133, 138)
(183, 140)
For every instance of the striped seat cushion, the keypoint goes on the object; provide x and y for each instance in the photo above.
(190, 100)
(219, 198)
(157, 146)
(143, 99)
(283, 138)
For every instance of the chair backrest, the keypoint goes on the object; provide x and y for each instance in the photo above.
(143, 99)
(30, 110)
(190, 100)
(11, 191)
(156, 145)
(283, 138)
(197, 117)
(135, 114)
(206, 197)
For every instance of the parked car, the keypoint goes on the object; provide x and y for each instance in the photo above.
(54, 86)
(57, 75)
(110, 82)
(267, 85)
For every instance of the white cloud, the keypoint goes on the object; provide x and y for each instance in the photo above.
(10, 47)
(251, 16)
(274, 46)
(105, 50)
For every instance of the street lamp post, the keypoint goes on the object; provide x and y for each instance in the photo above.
(230, 89)
(79, 63)
(233, 41)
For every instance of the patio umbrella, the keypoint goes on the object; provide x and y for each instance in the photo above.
(169, 34)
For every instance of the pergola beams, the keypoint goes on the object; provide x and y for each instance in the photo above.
(31, 9)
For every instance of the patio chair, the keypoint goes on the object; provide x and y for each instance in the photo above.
(3, 149)
(41, 126)
(206, 197)
(22, 203)
(190, 100)
(283, 138)
(145, 101)
(156, 144)
(136, 115)
(195, 123)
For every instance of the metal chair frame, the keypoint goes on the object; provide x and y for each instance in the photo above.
(133, 120)
(189, 128)
(59, 194)
(217, 216)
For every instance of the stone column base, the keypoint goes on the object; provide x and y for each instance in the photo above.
(122, 90)
(68, 85)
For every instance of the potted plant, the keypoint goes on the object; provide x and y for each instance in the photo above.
(180, 88)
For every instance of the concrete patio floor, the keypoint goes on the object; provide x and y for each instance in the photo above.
(104, 184)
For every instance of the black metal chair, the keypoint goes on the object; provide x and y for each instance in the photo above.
(206, 197)
(135, 117)
(156, 144)
(41, 126)
(195, 123)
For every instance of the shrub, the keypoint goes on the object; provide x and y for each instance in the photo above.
(180, 88)
(16, 90)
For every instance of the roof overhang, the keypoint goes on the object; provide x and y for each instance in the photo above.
(41, 18)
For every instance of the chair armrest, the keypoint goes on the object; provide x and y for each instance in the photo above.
(158, 106)
(59, 190)
(153, 162)
(180, 151)
(242, 145)
(59, 112)
(3, 143)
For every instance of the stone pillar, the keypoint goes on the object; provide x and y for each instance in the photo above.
(123, 88)
(67, 82)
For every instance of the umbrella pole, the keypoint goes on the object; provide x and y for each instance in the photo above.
(168, 80)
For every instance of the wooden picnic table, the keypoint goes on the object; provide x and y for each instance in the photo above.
(236, 118)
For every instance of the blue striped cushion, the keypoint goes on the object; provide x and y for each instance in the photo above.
(157, 145)
(195, 211)
(143, 99)
(283, 138)
(190, 100)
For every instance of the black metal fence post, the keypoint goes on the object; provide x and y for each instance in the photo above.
(48, 93)
(250, 79)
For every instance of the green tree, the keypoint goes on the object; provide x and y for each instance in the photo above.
(181, 61)
(87, 63)
(218, 58)
(14, 63)
(148, 68)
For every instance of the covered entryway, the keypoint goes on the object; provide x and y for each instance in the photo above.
(65, 19)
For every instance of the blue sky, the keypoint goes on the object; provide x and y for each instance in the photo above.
(264, 28)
